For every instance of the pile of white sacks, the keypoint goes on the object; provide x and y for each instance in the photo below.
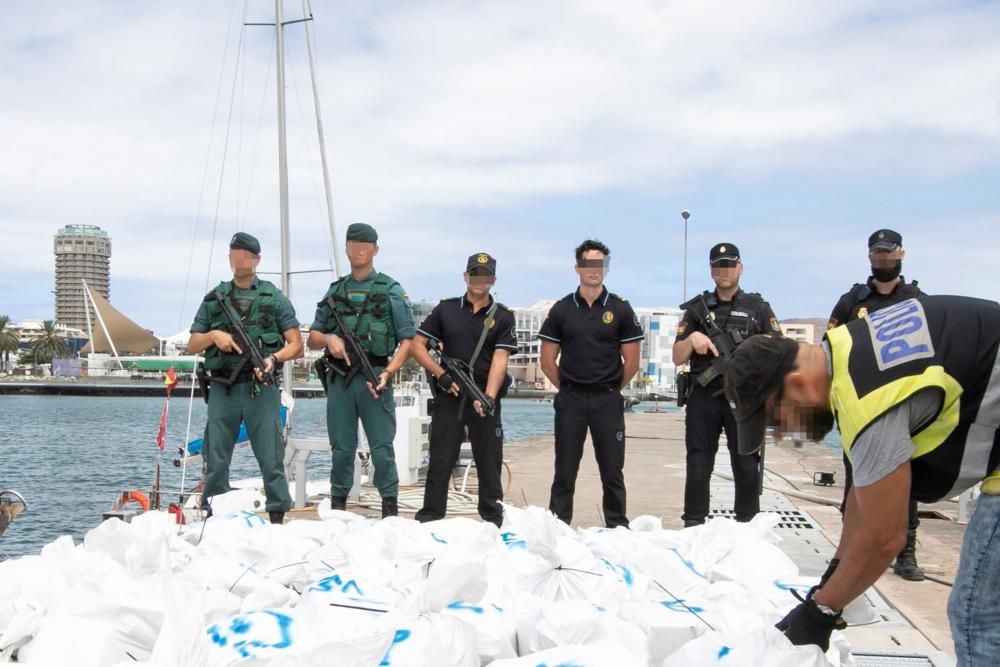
(347, 590)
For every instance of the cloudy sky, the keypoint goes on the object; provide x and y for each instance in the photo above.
(790, 129)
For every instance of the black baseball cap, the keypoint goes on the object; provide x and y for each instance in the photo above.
(482, 260)
(885, 239)
(756, 371)
(723, 251)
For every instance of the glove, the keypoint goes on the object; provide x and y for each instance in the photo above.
(807, 624)
(445, 381)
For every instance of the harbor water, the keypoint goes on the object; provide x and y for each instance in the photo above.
(69, 455)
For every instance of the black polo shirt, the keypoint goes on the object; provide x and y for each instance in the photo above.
(457, 328)
(590, 337)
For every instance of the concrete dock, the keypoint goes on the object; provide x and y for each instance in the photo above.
(913, 619)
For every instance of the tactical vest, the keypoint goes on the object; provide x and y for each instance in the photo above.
(944, 344)
(261, 322)
(861, 292)
(371, 320)
(747, 325)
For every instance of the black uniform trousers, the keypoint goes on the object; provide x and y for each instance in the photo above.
(706, 417)
(599, 408)
(914, 517)
(447, 431)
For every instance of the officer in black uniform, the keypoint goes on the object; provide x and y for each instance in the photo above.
(478, 332)
(738, 315)
(884, 288)
(598, 336)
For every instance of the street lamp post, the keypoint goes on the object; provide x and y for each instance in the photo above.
(685, 214)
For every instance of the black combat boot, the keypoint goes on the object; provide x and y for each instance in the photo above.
(390, 507)
(906, 562)
(338, 503)
(276, 517)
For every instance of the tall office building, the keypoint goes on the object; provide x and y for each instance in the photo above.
(83, 252)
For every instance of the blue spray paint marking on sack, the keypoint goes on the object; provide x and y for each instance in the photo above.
(782, 586)
(623, 572)
(465, 606)
(251, 519)
(900, 334)
(687, 563)
(679, 605)
(723, 652)
(327, 584)
(400, 637)
(280, 625)
(438, 539)
(513, 541)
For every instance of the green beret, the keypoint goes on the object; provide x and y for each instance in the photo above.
(244, 241)
(360, 231)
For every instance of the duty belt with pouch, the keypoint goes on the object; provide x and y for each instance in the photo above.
(683, 388)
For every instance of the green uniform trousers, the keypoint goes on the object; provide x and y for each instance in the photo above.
(344, 405)
(263, 418)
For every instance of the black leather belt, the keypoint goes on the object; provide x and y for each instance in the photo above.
(601, 388)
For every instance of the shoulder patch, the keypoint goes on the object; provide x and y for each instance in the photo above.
(503, 307)
(832, 324)
(775, 325)
(681, 328)
(620, 298)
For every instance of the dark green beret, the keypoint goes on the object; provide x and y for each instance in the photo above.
(360, 231)
(244, 241)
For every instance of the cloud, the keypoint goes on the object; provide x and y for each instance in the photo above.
(454, 126)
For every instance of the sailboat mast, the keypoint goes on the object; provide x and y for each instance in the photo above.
(279, 40)
(282, 150)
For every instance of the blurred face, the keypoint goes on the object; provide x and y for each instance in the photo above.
(801, 407)
(243, 262)
(361, 253)
(881, 258)
(726, 273)
(592, 268)
(478, 281)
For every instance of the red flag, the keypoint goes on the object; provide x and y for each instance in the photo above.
(170, 380)
(161, 435)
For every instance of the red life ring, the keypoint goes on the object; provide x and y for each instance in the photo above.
(132, 497)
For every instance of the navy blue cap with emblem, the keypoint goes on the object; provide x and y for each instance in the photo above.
(885, 239)
(482, 260)
(723, 251)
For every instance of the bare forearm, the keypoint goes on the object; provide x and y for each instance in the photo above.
(398, 359)
(498, 373)
(419, 351)
(681, 352)
(317, 340)
(199, 342)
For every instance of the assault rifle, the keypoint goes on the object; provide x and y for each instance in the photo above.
(359, 361)
(725, 341)
(250, 351)
(466, 382)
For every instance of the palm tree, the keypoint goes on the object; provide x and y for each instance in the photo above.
(49, 344)
(8, 342)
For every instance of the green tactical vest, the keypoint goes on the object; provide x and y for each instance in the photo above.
(371, 320)
(261, 323)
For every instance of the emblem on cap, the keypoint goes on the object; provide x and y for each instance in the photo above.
(722, 248)
(608, 317)
(232, 240)
(881, 235)
(482, 258)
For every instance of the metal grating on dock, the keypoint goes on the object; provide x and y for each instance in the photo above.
(901, 660)
(787, 518)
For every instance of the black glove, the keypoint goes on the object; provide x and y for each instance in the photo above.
(446, 382)
(806, 624)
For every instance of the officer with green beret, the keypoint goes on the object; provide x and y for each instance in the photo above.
(376, 309)
(270, 320)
